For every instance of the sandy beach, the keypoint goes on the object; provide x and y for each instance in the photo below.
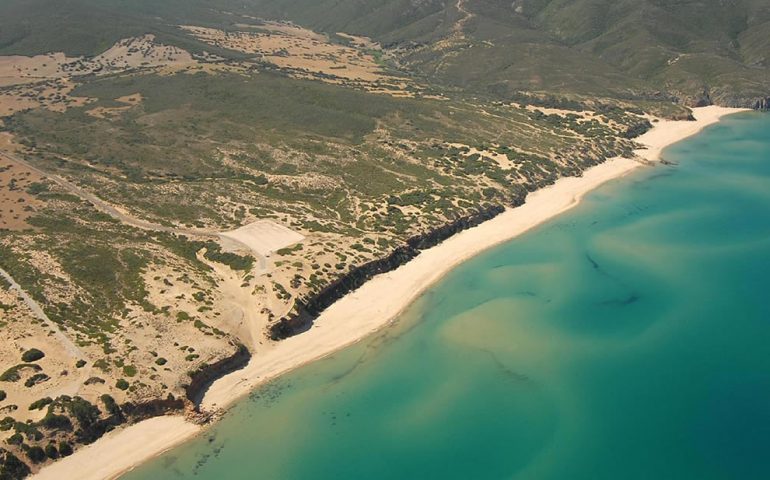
(367, 309)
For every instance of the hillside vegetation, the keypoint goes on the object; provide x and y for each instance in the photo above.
(697, 51)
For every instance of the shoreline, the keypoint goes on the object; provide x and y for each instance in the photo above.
(368, 309)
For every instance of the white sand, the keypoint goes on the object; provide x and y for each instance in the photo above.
(667, 132)
(264, 236)
(366, 310)
(121, 449)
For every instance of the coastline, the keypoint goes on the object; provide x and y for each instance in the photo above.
(367, 309)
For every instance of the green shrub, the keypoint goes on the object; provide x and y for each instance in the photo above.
(39, 404)
(13, 374)
(51, 451)
(236, 262)
(2, 395)
(11, 466)
(35, 379)
(102, 364)
(129, 370)
(122, 384)
(36, 188)
(56, 422)
(160, 361)
(6, 424)
(32, 355)
(36, 454)
(80, 364)
(110, 404)
(65, 449)
(83, 410)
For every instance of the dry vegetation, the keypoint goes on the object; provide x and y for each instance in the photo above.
(47, 80)
(310, 55)
(17, 205)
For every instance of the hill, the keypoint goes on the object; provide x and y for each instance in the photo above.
(696, 51)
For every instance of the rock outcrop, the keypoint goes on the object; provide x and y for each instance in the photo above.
(201, 379)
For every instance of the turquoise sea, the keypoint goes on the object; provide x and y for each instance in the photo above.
(627, 339)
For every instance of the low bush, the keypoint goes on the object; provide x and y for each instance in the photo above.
(13, 374)
(51, 451)
(36, 454)
(39, 404)
(32, 355)
(65, 449)
(35, 379)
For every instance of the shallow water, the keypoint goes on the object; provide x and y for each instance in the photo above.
(626, 339)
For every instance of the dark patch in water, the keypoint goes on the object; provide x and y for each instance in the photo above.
(374, 346)
(204, 458)
(360, 361)
(593, 262)
(270, 392)
(565, 226)
(511, 374)
(333, 417)
(633, 298)
(168, 461)
(595, 265)
(662, 174)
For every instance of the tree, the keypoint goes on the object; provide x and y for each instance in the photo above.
(36, 454)
(65, 449)
(51, 451)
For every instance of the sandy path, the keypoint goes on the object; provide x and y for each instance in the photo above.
(72, 349)
(369, 308)
(73, 386)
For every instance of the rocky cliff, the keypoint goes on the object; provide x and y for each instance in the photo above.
(308, 309)
(201, 379)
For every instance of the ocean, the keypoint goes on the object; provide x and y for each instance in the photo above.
(626, 339)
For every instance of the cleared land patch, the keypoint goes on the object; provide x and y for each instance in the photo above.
(307, 54)
(139, 52)
(264, 236)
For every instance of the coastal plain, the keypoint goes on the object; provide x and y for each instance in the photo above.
(372, 306)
